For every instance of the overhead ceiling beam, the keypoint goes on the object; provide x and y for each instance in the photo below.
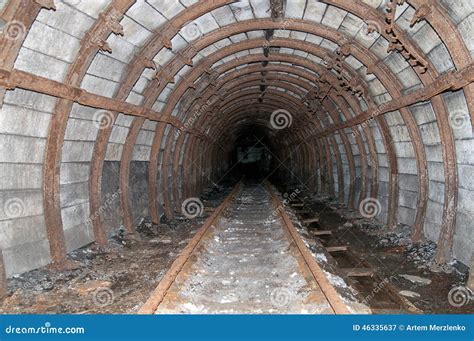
(448, 82)
(28, 81)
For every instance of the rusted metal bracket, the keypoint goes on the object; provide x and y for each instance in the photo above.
(96, 38)
(166, 35)
(450, 81)
(48, 4)
(396, 39)
(421, 13)
(347, 83)
(186, 55)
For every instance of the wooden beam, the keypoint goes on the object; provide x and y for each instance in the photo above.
(336, 248)
(311, 220)
(321, 233)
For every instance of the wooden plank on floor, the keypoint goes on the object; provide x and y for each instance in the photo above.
(336, 248)
(321, 232)
(311, 220)
(296, 204)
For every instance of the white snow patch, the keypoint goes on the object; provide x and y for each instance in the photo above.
(335, 280)
(321, 257)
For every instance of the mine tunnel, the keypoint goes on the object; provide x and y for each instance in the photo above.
(324, 148)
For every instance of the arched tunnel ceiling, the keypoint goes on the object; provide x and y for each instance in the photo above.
(378, 94)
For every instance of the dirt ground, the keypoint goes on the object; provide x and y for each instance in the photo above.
(118, 280)
(407, 267)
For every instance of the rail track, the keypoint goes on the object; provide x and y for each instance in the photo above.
(246, 258)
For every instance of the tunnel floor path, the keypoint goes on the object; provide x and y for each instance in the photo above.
(246, 263)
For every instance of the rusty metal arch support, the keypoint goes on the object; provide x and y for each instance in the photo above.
(337, 153)
(135, 68)
(165, 181)
(393, 199)
(302, 74)
(287, 70)
(51, 173)
(349, 156)
(446, 235)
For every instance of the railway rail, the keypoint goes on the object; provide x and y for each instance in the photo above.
(246, 258)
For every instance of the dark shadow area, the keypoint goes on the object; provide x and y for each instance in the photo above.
(252, 153)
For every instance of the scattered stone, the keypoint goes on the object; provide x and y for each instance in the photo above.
(416, 279)
(422, 254)
(446, 268)
(162, 240)
(409, 293)
(348, 225)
